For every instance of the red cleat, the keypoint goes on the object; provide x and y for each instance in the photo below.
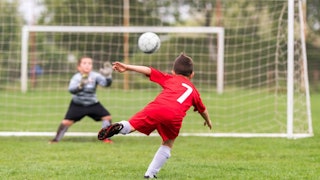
(108, 141)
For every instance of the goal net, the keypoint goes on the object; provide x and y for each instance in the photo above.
(251, 69)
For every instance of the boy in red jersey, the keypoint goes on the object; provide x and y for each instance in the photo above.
(166, 112)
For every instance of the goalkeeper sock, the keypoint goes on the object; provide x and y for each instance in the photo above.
(60, 133)
(159, 159)
(106, 123)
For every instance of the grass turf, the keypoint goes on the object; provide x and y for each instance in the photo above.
(192, 157)
(128, 158)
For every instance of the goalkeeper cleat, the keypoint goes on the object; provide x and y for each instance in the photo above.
(150, 177)
(108, 141)
(53, 141)
(109, 131)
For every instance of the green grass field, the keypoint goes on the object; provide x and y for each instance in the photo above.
(192, 157)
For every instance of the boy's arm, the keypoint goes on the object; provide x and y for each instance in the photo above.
(121, 67)
(207, 121)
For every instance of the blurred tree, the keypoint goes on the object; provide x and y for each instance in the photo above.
(313, 42)
(96, 13)
(313, 15)
(313, 21)
(10, 32)
(10, 35)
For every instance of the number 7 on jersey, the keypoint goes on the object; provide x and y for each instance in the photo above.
(186, 94)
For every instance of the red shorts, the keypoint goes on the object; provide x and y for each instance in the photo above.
(168, 128)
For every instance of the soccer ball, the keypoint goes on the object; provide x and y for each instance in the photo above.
(149, 42)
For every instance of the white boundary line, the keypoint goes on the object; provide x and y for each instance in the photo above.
(233, 135)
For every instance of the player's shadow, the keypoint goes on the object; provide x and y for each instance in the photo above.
(79, 140)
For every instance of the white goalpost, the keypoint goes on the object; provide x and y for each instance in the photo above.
(251, 72)
(290, 72)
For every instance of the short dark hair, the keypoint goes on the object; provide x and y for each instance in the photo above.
(183, 65)
(82, 57)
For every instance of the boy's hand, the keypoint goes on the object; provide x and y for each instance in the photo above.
(106, 71)
(208, 124)
(207, 121)
(120, 67)
(84, 81)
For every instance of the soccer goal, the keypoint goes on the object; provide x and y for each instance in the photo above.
(251, 73)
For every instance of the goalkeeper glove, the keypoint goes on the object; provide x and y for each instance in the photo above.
(106, 71)
(84, 81)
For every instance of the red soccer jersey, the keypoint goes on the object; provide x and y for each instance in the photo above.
(166, 112)
(177, 96)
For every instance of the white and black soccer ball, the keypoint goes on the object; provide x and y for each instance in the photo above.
(149, 42)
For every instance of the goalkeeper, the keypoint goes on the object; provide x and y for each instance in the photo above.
(166, 112)
(84, 101)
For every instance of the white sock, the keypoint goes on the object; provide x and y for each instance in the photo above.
(126, 127)
(105, 123)
(159, 159)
